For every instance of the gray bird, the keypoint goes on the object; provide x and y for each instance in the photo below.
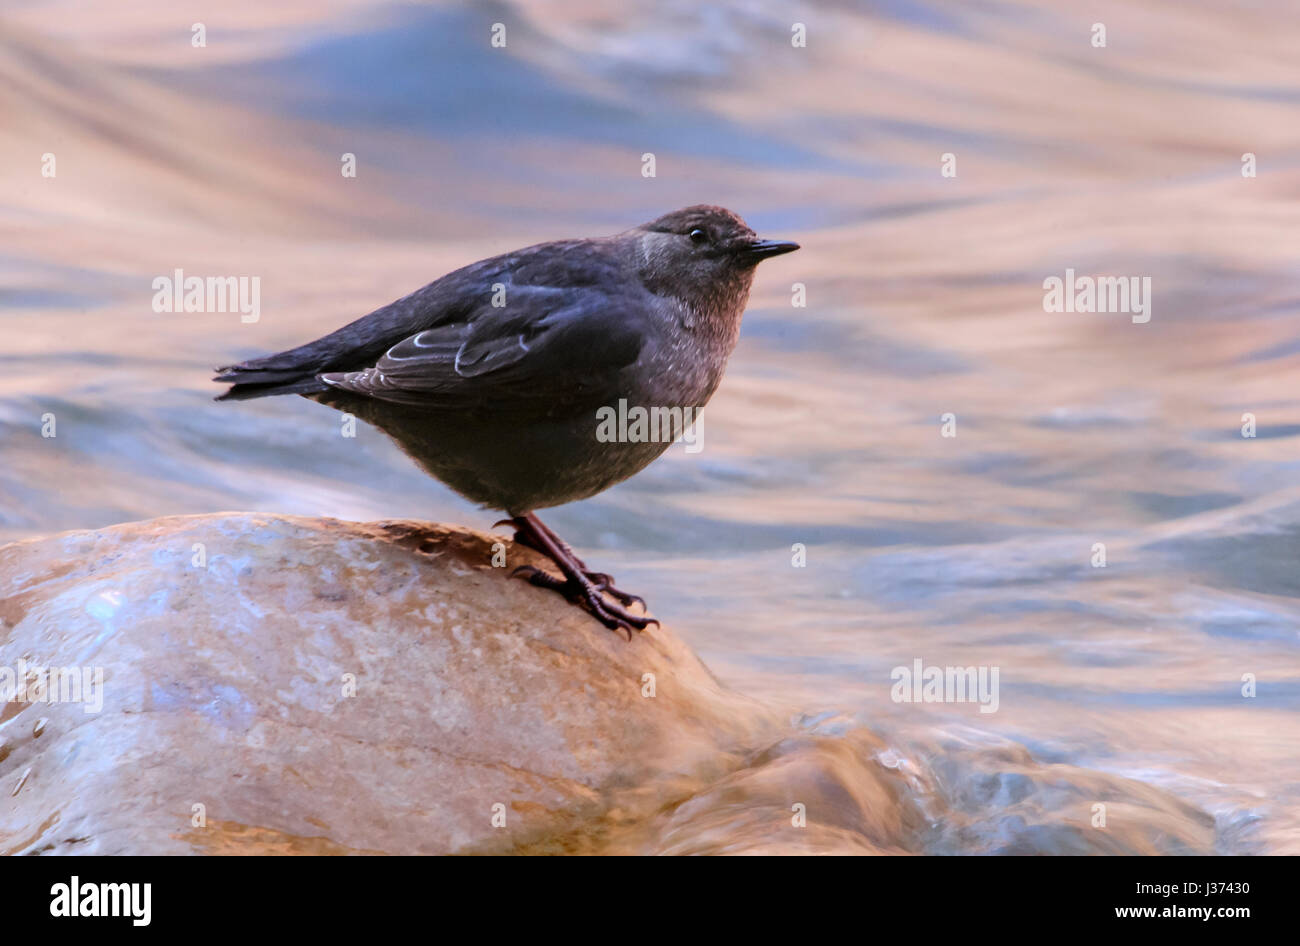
(492, 377)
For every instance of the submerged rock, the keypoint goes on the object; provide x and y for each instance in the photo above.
(253, 684)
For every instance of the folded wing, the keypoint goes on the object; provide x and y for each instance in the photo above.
(544, 347)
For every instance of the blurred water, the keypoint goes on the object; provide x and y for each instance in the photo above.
(924, 297)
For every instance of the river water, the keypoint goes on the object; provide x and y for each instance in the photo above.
(952, 462)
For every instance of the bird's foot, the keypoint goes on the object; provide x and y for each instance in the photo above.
(580, 585)
(605, 583)
(591, 597)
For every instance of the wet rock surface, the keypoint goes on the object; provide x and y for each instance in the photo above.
(255, 684)
(319, 686)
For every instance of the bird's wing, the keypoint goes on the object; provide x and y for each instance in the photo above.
(545, 346)
(356, 344)
(448, 306)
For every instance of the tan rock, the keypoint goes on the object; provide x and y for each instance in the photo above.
(226, 644)
(283, 685)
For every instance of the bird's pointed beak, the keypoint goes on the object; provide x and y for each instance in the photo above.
(762, 249)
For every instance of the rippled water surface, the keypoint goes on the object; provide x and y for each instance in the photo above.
(924, 298)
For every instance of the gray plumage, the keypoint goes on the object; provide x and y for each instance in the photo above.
(500, 402)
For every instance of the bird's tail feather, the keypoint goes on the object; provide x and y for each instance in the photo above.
(251, 384)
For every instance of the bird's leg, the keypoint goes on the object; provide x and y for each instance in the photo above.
(602, 580)
(526, 534)
(578, 585)
(523, 533)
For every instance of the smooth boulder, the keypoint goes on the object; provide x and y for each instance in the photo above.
(285, 685)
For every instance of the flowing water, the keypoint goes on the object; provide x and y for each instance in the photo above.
(1079, 437)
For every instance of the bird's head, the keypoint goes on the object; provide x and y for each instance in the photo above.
(704, 255)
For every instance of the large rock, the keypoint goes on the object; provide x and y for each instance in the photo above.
(284, 685)
(228, 647)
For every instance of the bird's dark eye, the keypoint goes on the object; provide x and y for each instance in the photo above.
(698, 236)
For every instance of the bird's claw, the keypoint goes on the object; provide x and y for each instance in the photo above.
(606, 584)
(580, 585)
(591, 596)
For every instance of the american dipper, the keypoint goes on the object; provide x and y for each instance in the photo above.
(492, 377)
